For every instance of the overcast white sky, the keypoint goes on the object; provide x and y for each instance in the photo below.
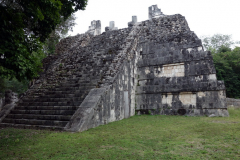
(205, 17)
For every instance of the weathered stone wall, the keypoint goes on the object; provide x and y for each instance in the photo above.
(175, 75)
(233, 102)
(104, 105)
(115, 99)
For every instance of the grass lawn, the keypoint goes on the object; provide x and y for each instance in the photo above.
(139, 137)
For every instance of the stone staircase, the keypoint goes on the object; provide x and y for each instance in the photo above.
(49, 108)
(67, 79)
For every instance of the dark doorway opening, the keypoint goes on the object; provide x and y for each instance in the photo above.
(182, 111)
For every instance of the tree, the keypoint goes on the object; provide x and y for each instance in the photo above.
(24, 27)
(215, 42)
(60, 32)
(226, 61)
(227, 64)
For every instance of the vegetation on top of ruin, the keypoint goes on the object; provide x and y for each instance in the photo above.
(139, 137)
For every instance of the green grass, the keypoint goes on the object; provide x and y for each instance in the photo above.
(139, 137)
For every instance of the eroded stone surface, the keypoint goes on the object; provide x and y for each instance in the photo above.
(175, 75)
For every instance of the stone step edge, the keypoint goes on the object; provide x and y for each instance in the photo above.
(20, 107)
(13, 110)
(24, 126)
(33, 119)
(46, 115)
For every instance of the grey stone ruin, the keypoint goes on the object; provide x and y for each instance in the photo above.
(154, 12)
(156, 67)
(111, 26)
(133, 22)
(95, 28)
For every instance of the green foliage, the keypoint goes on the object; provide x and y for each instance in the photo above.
(149, 112)
(24, 26)
(138, 137)
(60, 32)
(2, 85)
(226, 61)
(227, 64)
(14, 85)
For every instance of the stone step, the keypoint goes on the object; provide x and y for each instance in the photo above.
(40, 117)
(81, 95)
(51, 92)
(24, 126)
(80, 80)
(43, 99)
(60, 103)
(61, 94)
(65, 90)
(58, 94)
(35, 122)
(72, 84)
(45, 107)
(72, 88)
(44, 112)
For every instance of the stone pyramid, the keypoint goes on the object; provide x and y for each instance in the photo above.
(157, 66)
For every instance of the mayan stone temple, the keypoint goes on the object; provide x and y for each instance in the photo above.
(157, 66)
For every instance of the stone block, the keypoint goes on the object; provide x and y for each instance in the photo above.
(111, 26)
(154, 12)
(95, 28)
(133, 22)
